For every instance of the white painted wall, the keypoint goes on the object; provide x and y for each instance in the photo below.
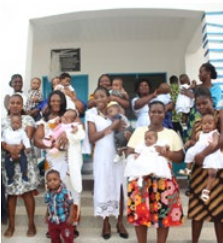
(124, 57)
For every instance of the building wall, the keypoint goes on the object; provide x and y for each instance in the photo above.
(124, 57)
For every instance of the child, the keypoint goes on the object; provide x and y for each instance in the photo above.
(60, 207)
(15, 135)
(146, 161)
(113, 112)
(214, 161)
(163, 95)
(184, 103)
(118, 89)
(65, 87)
(58, 126)
(34, 98)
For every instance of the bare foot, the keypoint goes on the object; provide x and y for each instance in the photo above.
(9, 232)
(31, 231)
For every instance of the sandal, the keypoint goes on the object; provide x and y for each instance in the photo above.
(9, 232)
(205, 195)
(184, 171)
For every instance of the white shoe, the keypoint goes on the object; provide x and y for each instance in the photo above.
(117, 158)
(185, 171)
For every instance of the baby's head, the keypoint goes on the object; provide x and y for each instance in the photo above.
(113, 109)
(164, 88)
(16, 122)
(150, 138)
(173, 79)
(35, 83)
(117, 84)
(184, 79)
(54, 82)
(69, 116)
(65, 79)
(53, 180)
(208, 122)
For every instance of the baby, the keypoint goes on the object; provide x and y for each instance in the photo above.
(163, 95)
(58, 127)
(34, 95)
(118, 89)
(146, 160)
(65, 87)
(15, 135)
(214, 161)
(114, 113)
(184, 103)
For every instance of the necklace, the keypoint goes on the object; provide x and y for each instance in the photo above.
(102, 115)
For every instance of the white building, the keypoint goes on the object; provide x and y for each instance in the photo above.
(139, 38)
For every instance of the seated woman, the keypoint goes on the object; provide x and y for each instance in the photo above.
(157, 202)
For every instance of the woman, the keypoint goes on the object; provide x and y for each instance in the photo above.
(157, 202)
(16, 83)
(108, 176)
(57, 107)
(198, 211)
(106, 81)
(207, 72)
(19, 187)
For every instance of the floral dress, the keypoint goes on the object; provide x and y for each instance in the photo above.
(19, 186)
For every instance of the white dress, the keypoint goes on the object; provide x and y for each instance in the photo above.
(214, 160)
(148, 162)
(142, 114)
(108, 176)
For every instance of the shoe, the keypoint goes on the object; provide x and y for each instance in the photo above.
(25, 179)
(205, 195)
(117, 158)
(124, 235)
(184, 171)
(10, 182)
(76, 232)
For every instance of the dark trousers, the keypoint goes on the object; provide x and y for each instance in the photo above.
(10, 165)
(63, 229)
(120, 140)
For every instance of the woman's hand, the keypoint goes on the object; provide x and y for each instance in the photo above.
(199, 158)
(187, 92)
(163, 150)
(63, 141)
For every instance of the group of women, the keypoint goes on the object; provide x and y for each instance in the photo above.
(157, 202)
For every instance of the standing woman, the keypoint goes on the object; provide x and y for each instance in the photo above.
(140, 103)
(59, 162)
(108, 176)
(207, 72)
(198, 211)
(19, 187)
(157, 202)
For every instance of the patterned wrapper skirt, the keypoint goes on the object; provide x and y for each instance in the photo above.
(198, 210)
(156, 203)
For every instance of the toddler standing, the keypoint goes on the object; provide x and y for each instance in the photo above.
(60, 209)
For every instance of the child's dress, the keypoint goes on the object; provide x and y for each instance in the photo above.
(214, 160)
(148, 162)
(184, 103)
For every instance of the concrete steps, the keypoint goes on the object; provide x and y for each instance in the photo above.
(90, 226)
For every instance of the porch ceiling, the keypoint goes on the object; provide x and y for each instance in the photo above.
(119, 25)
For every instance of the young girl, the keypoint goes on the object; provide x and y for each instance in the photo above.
(208, 137)
(138, 164)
